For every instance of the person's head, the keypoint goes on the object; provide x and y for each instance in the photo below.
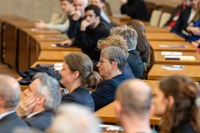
(72, 118)
(186, 3)
(138, 25)
(128, 33)
(112, 60)
(114, 40)
(9, 93)
(92, 15)
(45, 90)
(143, 45)
(99, 3)
(194, 3)
(133, 100)
(175, 101)
(77, 68)
(80, 5)
(67, 6)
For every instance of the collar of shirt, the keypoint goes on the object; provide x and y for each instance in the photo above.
(192, 15)
(32, 114)
(131, 49)
(6, 113)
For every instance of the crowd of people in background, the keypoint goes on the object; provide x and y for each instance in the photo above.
(111, 68)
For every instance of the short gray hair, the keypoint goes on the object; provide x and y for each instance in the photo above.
(135, 97)
(114, 53)
(128, 33)
(49, 88)
(10, 91)
(74, 118)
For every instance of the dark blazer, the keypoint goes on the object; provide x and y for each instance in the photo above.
(128, 72)
(136, 9)
(80, 96)
(136, 64)
(40, 121)
(10, 122)
(182, 22)
(105, 91)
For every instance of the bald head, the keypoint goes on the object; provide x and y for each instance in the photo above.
(134, 96)
(73, 118)
(9, 91)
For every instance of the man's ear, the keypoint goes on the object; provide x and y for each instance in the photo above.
(40, 99)
(117, 108)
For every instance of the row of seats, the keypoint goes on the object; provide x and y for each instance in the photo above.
(159, 18)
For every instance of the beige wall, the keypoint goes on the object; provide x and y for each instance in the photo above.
(41, 9)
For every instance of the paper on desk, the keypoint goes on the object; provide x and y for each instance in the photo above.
(106, 127)
(58, 66)
(171, 53)
(173, 46)
(172, 67)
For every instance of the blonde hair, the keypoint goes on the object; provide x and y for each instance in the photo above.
(114, 40)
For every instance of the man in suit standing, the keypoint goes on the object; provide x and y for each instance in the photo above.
(40, 101)
(9, 97)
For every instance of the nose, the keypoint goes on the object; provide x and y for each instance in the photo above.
(98, 64)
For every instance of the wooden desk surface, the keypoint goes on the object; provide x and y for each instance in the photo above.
(21, 23)
(164, 3)
(157, 72)
(107, 115)
(120, 20)
(50, 38)
(153, 84)
(164, 36)
(175, 46)
(11, 17)
(160, 59)
(47, 46)
(56, 56)
(36, 31)
(156, 29)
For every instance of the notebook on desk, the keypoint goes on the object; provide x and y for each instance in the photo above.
(181, 58)
(172, 46)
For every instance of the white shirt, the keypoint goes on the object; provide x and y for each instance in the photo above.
(6, 113)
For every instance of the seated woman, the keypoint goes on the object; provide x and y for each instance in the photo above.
(175, 102)
(143, 45)
(76, 77)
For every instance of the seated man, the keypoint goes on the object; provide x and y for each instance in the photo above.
(73, 118)
(75, 20)
(101, 5)
(9, 97)
(40, 102)
(63, 25)
(91, 30)
(132, 106)
(111, 65)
